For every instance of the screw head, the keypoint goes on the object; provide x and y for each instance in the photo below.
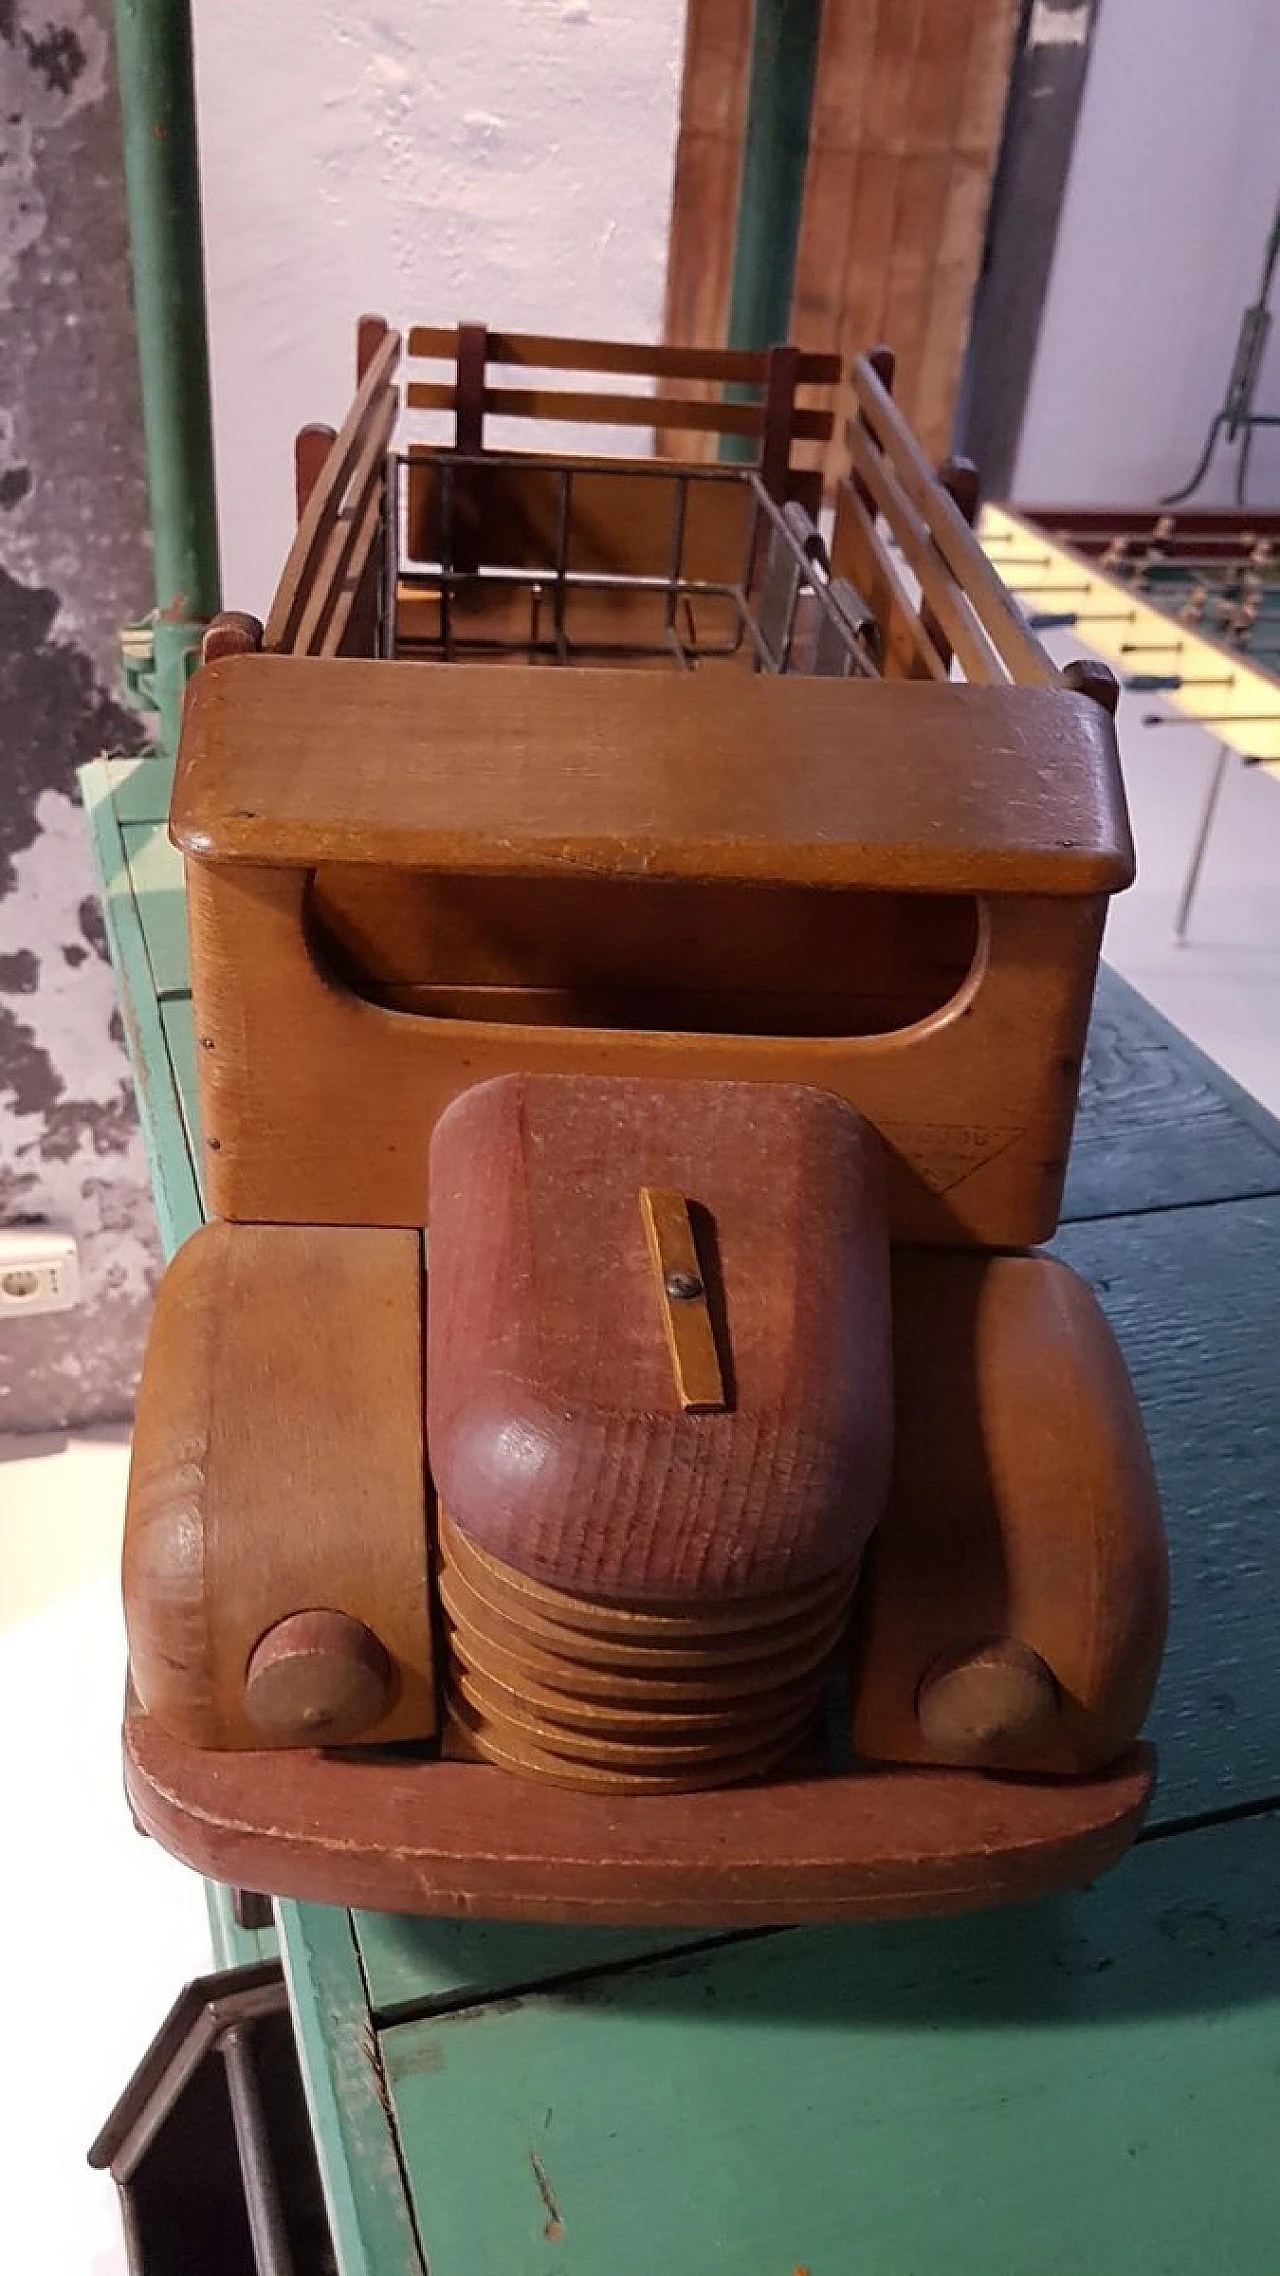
(681, 1286)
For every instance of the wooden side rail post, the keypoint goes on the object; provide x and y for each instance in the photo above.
(895, 469)
(774, 422)
(340, 487)
(959, 478)
(311, 447)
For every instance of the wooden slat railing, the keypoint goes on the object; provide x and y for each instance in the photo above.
(893, 510)
(776, 421)
(606, 409)
(544, 352)
(335, 550)
(902, 541)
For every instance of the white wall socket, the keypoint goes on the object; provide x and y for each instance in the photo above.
(39, 1271)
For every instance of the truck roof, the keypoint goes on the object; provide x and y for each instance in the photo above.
(486, 769)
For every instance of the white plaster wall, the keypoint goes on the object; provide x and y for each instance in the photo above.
(1172, 188)
(500, 161)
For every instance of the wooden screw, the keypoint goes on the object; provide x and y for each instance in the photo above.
(997, 1695)
(1088, 676)
(318, 1679)
(231, 634)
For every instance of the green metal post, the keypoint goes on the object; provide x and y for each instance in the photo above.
(775, 150)
(162, 184)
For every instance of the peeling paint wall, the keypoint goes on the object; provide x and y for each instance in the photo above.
(509, 160)
(506, 161)
(73, 566)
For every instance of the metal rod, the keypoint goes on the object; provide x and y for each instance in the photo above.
(162, 187)
(1016, 585)
(267, 2229)
(1234, 559)
(1200, 848)
(589, 462)
(564, 507)
(446, 555)
(1065, 618)
(1168, 683)
(1213, 719)
(775, 150)
(792, 535)
(575, 580)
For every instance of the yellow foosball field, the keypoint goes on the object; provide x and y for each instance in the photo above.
(1185, 606)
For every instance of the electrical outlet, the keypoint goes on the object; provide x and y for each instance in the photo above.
(39, 1271)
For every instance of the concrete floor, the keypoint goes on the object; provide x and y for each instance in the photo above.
(100, 1928)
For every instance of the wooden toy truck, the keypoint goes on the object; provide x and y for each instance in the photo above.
(614, 1453)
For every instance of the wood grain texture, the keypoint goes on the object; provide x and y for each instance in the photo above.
(553, 1686)
(720, 392)
(457, 1837)
(1159, 1125)
(906, 121)
(708, 166)
(558, 1441)
(744, 2107)
(542, 351)
(1189, 1291)
(682, 1296)
(959, 478)
(864, 554)
(279, 1431)
(632, 952)
(1137, 2022)
(906, 127)
(650, 1641)
(1022, 1513)
(333, 549)
(880, 416)
(670, 414)
(1190, 1294)
(944, 603)
(293, 1053)
(960, 590)
(311, 447)
(749, 778)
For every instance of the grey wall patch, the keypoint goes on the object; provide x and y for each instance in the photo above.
(73, 567)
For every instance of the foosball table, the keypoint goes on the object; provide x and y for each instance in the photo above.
(615, 1476)
(1185, 606)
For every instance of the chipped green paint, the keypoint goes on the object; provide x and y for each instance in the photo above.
(173, 1180)
(342, 2076)
(1084, 2087)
